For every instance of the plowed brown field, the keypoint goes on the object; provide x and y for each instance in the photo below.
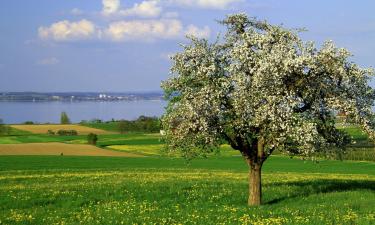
(58, 149)
(43, 128)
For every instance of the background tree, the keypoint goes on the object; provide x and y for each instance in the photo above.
(2, 125)
(64, 119)
(122, 126)
(149, 124)
(92, 138)
(262, 89)
(142, 124)
(4, 129)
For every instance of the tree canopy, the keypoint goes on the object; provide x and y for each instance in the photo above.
(64, 119)
(4, 129)
(260, 89)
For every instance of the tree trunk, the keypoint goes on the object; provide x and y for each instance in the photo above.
(254, 156)
(255, 185)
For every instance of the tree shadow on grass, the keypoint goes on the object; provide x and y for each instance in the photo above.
(306, 188)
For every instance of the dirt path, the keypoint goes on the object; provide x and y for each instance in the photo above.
(58, 149)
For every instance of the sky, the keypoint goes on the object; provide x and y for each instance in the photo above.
(124, 45)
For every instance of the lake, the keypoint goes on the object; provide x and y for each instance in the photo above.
(49, 112)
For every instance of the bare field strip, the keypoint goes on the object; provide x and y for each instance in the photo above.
(43, 128)
(58, 148)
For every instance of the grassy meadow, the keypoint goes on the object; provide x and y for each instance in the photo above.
(157, 189)
(97, 190)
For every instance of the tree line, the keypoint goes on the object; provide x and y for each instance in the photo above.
(141, 124)
(4, 129)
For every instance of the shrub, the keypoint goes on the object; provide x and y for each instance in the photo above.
(67, 132)
(122, 126)
(51, 132)
(92, 138)
(4, 129)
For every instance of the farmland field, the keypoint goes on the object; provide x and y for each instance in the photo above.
(93, 190)
(58, 149)
(52, 189)
(43, 128)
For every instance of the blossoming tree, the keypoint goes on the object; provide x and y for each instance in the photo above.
(262, 89)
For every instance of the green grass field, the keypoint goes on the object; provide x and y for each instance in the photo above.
(163, 190)
(94, 190)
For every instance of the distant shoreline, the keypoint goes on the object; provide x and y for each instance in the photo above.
(79, 96)
(123, 100)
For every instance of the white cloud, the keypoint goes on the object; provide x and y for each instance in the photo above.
(170, 15)
(148, 8)
(66, 31)
(195, 31)
(76, 12)
(166, 26)
(124, 30)
(207, 4)
(48, 61)
(110, 6)
(147, 30)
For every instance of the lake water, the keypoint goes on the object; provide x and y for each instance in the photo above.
(49, 112)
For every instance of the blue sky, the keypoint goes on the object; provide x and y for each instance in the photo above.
(118, 45)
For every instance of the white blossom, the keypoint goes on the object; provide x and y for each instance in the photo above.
(262, 82)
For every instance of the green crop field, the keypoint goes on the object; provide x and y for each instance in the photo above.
(94, 190)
